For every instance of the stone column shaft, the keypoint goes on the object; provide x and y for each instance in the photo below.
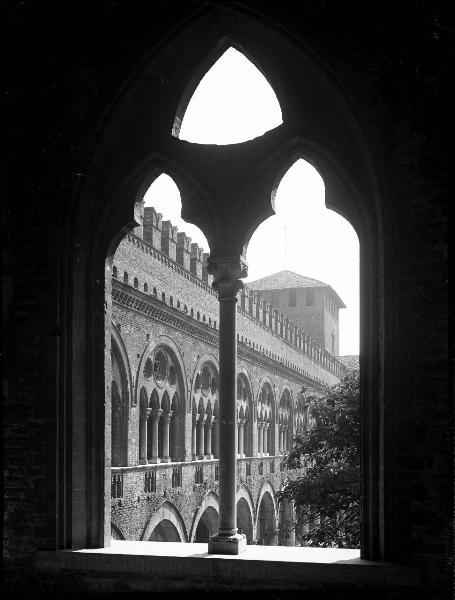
(193, 439)
(155, 416)
(226, 273)
(260, 439)
(208, 438)
(241, 435)
(166, 420)
(143, 438)
(264, 443)
(201, 423)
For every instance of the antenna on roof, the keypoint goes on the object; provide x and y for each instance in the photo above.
(285, 248)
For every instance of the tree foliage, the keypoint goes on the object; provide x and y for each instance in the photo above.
(326, 492)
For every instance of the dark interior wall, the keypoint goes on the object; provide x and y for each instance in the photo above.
(67, 63)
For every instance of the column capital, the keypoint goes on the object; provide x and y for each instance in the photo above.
(166, 416)
(227, 271)
(154, 413)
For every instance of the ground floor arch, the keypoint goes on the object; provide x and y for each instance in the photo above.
(166, 524)
(245, 520)
(205, 522)
(286, 523)
(207, 525)
(266, 518)
(165, 531)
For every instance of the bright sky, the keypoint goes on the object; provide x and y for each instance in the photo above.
(312, 240)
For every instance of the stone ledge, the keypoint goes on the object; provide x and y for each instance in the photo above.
(173, 566)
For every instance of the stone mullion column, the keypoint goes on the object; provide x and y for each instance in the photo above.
(155, 416)
(215, 437)
(281, 439)
(143, 438)
(208, 438)
(193, 438)
(265, 447)
(166, 420)
(260, 438)
(226, 273)
(201, 425)
(241, 436)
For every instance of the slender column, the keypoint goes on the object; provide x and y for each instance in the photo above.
(285, 439)
(166, 420)
(226, 273)
(265, 447)
(143, 437)
(193, 437)
(281, 439)
(260, 438)
(215, 437)
(208, 438)
(201, 424)
(154, 415)
(241, 437)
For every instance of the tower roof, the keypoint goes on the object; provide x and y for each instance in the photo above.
(284, 280)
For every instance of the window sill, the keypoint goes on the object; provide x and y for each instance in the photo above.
(174, 566)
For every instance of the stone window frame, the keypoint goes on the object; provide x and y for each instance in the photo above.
(81, 496)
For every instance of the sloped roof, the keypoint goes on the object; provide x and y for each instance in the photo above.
(350, 361)
(284, 280)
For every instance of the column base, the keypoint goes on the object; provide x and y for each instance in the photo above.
(229, 544)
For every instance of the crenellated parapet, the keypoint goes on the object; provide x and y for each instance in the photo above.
(152, 227)
(183, 250)
(196, 260)
(169, 240)
(173, 249)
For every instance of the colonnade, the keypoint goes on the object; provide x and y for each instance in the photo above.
(204, 437)
(156, 427)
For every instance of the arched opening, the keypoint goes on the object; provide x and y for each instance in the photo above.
(161, 202)
(207, 525)
(120, 409)
(312, 265)
(267, 416)
(266, 532)
(285, 422)
(245, 520)
(265, 421)
(204, 412)
(244, 417)
(232, 103)
(165, 531)
(286, 523)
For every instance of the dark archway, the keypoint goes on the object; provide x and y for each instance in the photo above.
(266, 532)
(165, 531)
(207, 525)
(245, 520)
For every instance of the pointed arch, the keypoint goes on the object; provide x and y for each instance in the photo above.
(231, 79)
(210, 500)
(267, 516)
(307, 85)
(169, 512)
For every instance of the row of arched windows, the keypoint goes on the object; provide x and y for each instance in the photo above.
(263, 428)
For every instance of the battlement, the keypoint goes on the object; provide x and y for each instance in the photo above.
(189, 260)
